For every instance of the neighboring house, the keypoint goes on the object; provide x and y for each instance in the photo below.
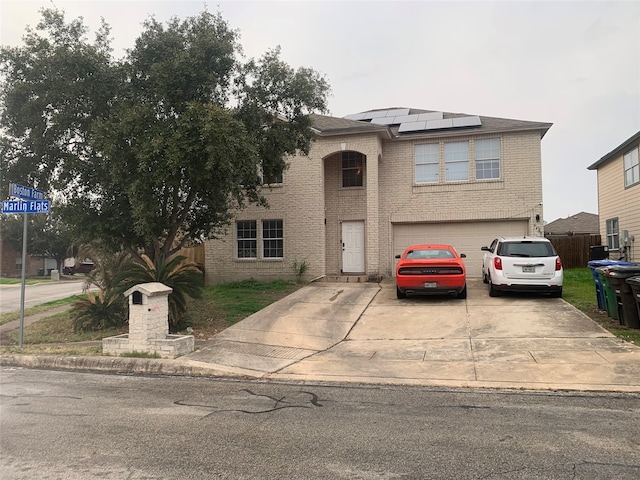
(11, 262)
(619, 199)
(582, 223)
(376, 182)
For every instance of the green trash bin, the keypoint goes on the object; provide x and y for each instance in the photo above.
(609, 297)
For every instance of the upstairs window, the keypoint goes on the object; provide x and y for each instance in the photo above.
(456, 161)
(246, 235)
(613, 239)
(352, 169)
(631, 168)
(427, 163)
(487, 156)
(272, 239)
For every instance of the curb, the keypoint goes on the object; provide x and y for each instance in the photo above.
(119, 365)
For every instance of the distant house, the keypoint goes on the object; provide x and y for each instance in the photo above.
(378, 181)
(11, 262)
(582, 223)
(619, 198)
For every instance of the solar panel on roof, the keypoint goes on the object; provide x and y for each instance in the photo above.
(354, 116)
(395, 112)
(405, 118)
(467, 121)
(411, 127)
(437, 124)
(430, 116)
(383, 120)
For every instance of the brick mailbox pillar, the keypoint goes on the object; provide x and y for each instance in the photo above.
(148, 313)
(149, 325)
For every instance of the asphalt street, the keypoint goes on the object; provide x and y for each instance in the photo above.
(73, 425)
(37, 294)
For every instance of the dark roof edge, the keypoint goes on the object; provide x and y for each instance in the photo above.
(615, 152)
(348, 131)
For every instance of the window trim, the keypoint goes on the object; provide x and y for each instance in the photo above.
(416, 163)
(357, 156)
(253, 239)
(634, 169)
(456, 161)
(279, 239)
(482, 161)
(613, 234)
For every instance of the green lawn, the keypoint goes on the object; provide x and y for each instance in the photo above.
(580, 291)
(18, 281)
(219, 307)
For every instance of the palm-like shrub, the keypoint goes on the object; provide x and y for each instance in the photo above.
(183, 277)
(99, 310)
(107, 307)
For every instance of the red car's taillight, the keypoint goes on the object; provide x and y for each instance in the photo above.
(558, 264)
(497, 263)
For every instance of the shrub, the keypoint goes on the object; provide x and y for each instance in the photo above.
(98, 311)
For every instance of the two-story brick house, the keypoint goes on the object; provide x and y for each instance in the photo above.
(619, 199)
(376, 182)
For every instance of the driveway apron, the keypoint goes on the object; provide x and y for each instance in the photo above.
(363, 333)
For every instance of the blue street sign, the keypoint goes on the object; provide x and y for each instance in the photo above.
(25, 193)
(20, 206)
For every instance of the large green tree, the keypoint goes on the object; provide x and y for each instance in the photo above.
(154, 151)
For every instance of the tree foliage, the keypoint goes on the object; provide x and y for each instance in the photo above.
(154, 151)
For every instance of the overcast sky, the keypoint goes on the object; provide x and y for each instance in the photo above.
(573, 64)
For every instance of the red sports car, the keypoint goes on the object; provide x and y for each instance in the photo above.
(431, 269)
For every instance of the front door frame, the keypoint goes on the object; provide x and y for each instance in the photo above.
(353, 251)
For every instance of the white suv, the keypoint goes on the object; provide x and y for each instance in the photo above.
(522, 264)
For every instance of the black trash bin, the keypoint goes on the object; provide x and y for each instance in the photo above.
(634, 283)
(627, 311)
(593, 264)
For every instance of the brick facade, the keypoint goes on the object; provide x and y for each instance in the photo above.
(313, 204)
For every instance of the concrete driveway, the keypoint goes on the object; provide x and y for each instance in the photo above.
(362, 333)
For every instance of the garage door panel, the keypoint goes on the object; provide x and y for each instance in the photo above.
(466, 237)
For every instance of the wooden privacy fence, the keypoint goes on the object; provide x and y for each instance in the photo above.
(194, 254)
(574, 250)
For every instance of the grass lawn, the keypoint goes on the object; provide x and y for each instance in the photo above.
(220, 306)
(27, 281)
(579, 290)
(223, 305)
(11, 316)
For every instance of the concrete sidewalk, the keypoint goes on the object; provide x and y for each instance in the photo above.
(329, 332)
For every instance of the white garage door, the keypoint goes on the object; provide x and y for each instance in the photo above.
(466, 237)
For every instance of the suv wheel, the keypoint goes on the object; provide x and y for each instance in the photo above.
(493, 292)
(557, 294)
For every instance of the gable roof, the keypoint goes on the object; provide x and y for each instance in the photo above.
(326, 125)
(582, 222)
(620, 149)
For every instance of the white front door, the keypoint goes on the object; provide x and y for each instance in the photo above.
(353, 247)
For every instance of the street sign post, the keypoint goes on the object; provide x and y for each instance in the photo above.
(30, 201)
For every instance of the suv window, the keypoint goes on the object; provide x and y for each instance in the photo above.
(526, 249)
